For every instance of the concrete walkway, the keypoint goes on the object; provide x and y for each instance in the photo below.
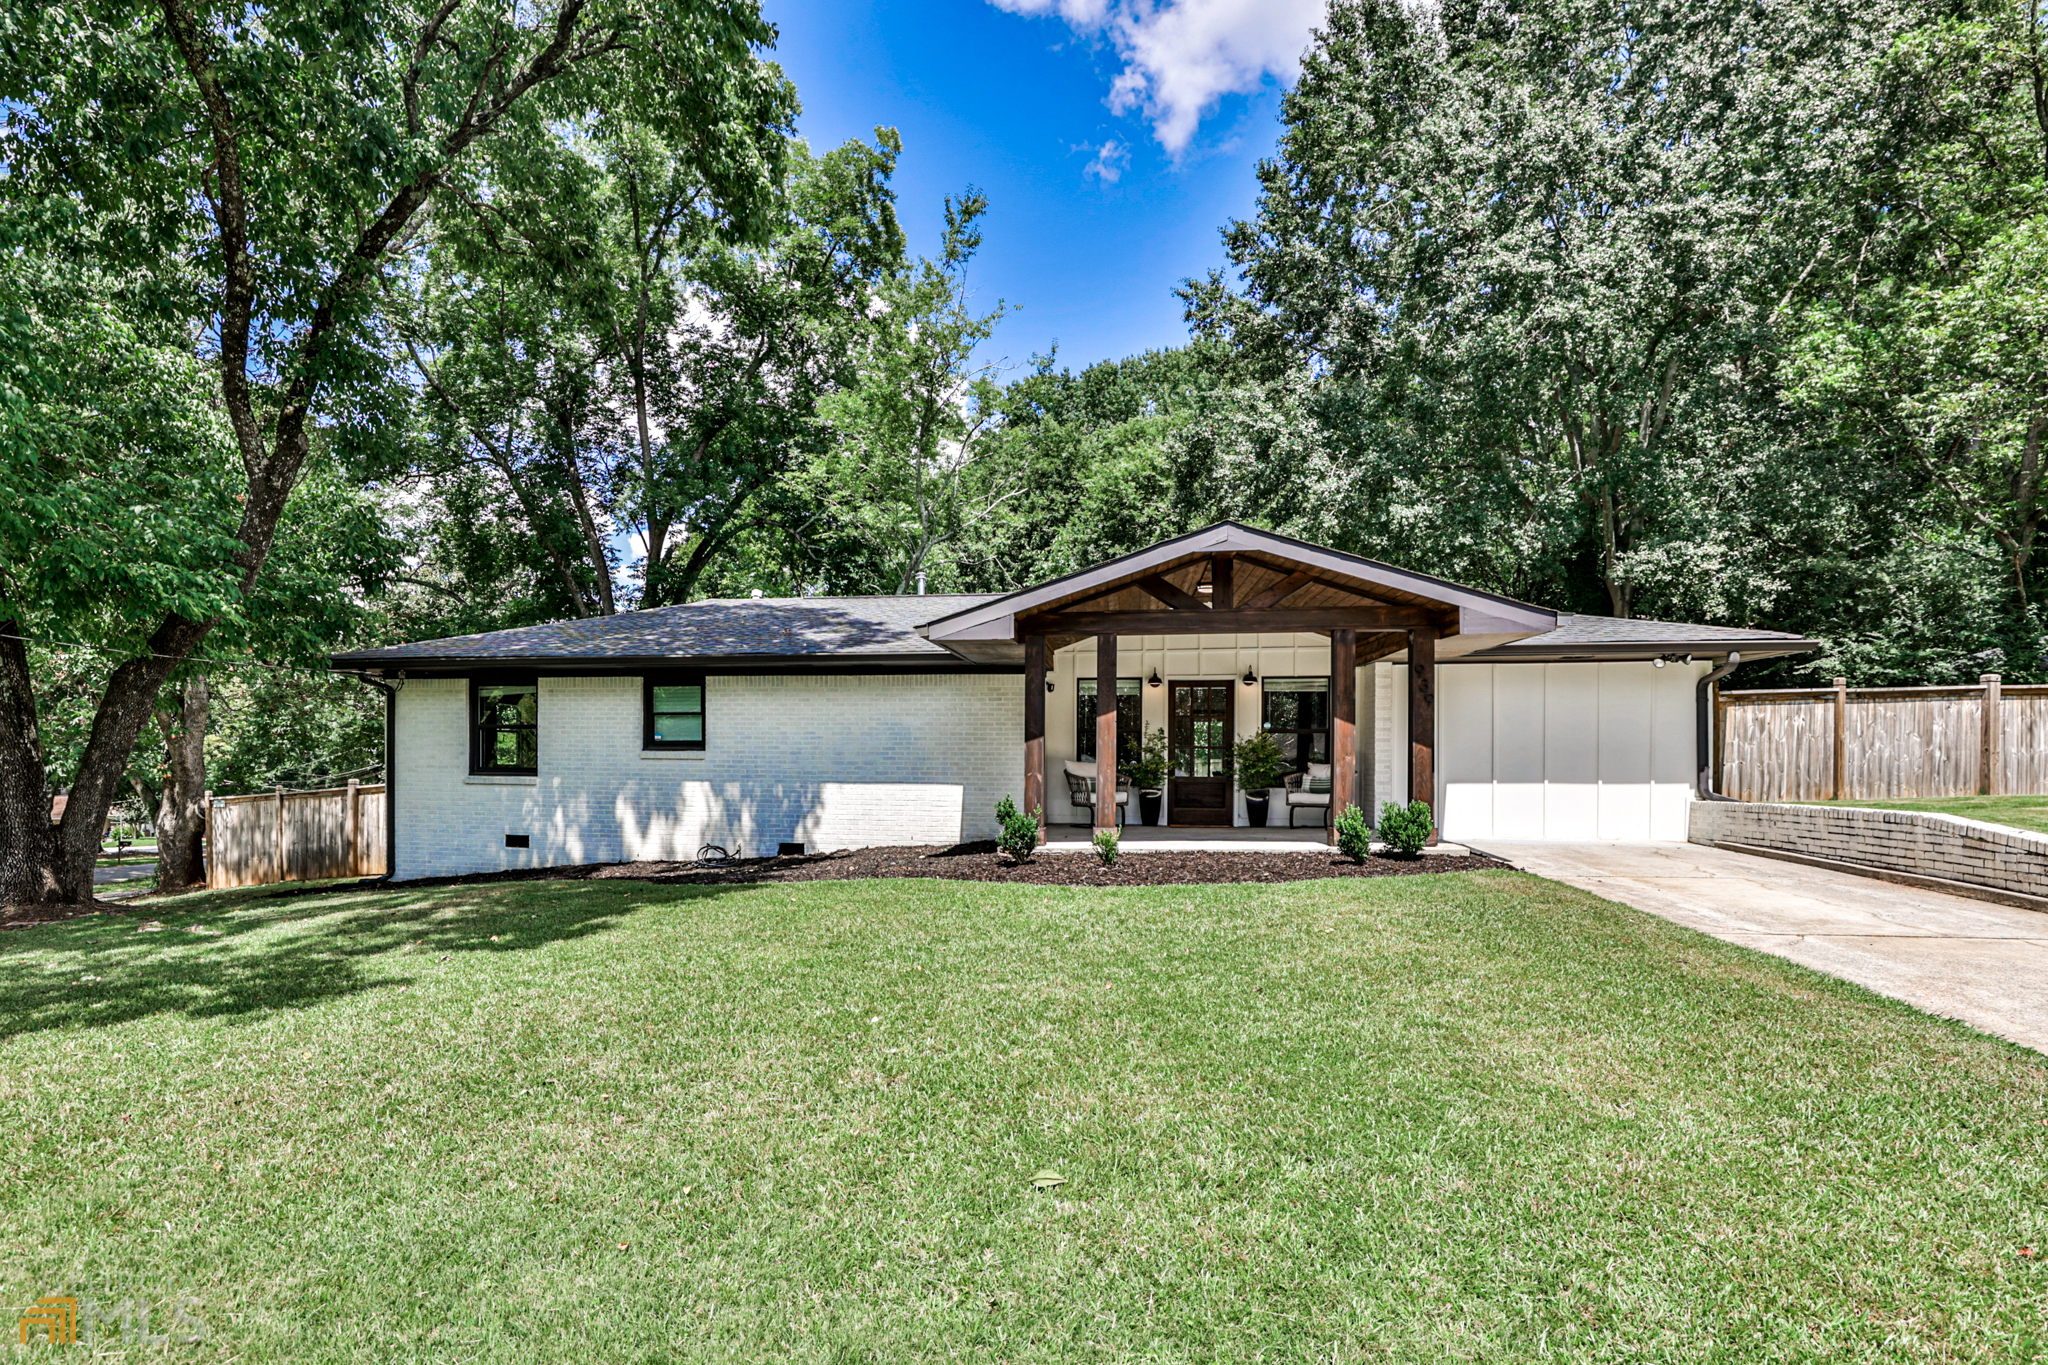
(1984, 964)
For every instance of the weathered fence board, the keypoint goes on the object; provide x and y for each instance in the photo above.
(295, 836)
(1894, 742)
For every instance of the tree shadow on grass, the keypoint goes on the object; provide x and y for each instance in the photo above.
(247, 953)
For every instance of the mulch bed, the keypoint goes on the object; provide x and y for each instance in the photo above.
(979, 862)
(973, 862)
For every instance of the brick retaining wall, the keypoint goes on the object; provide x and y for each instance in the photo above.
(1913, 842)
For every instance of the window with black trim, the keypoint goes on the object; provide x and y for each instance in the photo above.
(1130, 736)
(1297, 716)
(504, 726)
(674, 711)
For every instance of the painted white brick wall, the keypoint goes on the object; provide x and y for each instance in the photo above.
(1932, 845)
(832, 762)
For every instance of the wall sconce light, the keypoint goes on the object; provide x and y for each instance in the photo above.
(1249, 677)
(1048, 684)
(1153, 681)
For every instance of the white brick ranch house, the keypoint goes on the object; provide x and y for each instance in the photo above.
(837, 722)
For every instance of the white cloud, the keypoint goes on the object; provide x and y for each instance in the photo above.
(1110, 161)
(1181, 56)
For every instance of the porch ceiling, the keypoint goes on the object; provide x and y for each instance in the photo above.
(1277, 585)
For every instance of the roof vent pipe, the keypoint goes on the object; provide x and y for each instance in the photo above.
(1703, 730)
(920, 582)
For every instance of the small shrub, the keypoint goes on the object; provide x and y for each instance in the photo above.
(1106, 846)
(1406, 829)
(1354, 834)
(1149, 773)
(1019, 836)
(1257, 762)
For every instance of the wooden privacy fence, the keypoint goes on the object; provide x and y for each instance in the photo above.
(1871, 743)
(294, 836)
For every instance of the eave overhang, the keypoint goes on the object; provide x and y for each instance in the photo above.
(1330, 589)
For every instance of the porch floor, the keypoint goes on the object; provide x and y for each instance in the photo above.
(1207, 839)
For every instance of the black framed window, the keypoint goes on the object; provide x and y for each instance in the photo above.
(504, 726)
(673, 706)
(1130, 737)
(1297, 716)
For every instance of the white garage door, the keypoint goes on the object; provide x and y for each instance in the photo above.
(1561, 752)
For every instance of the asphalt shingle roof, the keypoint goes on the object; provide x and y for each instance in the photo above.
(880, 628)
(716, 628)
(1609, 630)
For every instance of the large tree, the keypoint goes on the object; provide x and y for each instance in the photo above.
(1508, 294)
(278, 161)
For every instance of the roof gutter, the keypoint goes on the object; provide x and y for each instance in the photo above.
(1703, 728)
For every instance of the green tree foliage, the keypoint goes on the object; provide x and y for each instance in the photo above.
(617, 377)
(247, 178)
(1712, 312)
(1923, 339)
(904, 463)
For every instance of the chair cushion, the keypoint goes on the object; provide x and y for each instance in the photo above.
(1086, 770)
(1321, 798)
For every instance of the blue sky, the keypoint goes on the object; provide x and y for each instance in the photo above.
(1016, 104)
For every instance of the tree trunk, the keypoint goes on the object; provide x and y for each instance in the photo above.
(181, 816)
(28, 840)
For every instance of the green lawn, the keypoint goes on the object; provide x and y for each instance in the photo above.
(1457, 1117)
(2021, 812)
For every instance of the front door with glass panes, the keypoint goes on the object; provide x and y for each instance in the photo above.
(1199, 729)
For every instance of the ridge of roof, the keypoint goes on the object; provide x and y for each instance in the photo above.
(1305, 546)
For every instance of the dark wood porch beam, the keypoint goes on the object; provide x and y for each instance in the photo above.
(1223, 583)
(1105, 732)
(1177, 598)
(1034, 729)
(1218, 622)
(1422, 721)
(1276, 594)
(1343, 725)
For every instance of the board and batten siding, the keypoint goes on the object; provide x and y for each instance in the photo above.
(1579, 752)
(827, 761)
(1182, 658)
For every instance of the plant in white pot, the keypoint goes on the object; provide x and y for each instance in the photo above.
(1149, 774)
(1259, 765)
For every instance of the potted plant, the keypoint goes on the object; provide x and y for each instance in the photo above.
(1148, 775)
(1259, 764)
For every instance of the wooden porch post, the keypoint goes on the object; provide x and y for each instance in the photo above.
(1343, 725)
(1422, 721)
(1034, 729)
(1105, 732)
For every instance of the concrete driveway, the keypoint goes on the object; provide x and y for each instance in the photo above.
(1984, 964)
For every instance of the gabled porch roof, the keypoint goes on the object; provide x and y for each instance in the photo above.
(1234, 579)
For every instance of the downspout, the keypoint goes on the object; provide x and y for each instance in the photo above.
(390, 691)
(1703, 727)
